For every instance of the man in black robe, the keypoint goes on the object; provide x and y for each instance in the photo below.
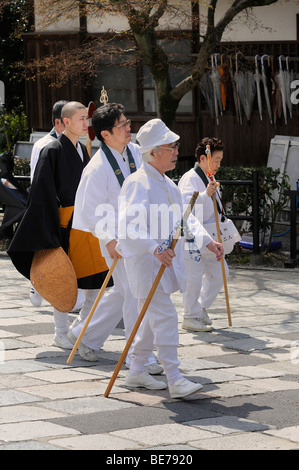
(47, 221)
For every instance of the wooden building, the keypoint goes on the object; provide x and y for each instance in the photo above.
(275, 34)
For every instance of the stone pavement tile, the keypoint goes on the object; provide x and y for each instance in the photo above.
(115, 345)
(29, 445)
(193, 364)
(245, 441)
(96, 442)
(41, 317)
(173, 447)
(22, 366)
(11, 381)
(274, 409)
(233, 389)
(78, 406)
(40, 340)
(13, 313)
(13, 322)
(290, 433)
(104, 421)
(272, 384)
(143, 397)
(14, 344)
(28, 430)
(66, 375)
(257, 372)
(37, 353)
(275, 355)
(253, 344)
(7, 334)
(9, 305)
(227, 425)
(19, 413)
(190, 338)
(31, 329)
(13, 397)
(281, 328)
(165, 434)
(201, 351)
(71, 390)
(101, 369)
(282, 368)
(214, 376)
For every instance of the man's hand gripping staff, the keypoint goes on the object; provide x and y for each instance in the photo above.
(211, 176)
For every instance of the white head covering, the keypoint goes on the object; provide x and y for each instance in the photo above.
(154, 133)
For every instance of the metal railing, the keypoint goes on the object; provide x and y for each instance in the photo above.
(254, 218)
(292, 262)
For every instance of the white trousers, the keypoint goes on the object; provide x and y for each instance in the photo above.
(118, 303)
(204, 281)
(159, 329)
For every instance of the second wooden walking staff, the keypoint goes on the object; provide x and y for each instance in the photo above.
(149, 298)
(210, 175)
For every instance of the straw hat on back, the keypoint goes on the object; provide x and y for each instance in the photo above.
(53, 276)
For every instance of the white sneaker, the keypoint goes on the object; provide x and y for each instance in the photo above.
(144, 380)
(35, 298)
(195, 324)
(183, 387)
(205, 317)
(85, 352)
(153, 369)
(62, 341)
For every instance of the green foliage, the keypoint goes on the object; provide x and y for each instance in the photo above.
(239, 199)
(9, 123)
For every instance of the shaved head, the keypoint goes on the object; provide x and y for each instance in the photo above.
(71, 108)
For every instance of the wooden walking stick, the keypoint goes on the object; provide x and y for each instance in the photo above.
(149, 298)
(210, 175)
(99, 296)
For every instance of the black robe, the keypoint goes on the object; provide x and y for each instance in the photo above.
(56, 178)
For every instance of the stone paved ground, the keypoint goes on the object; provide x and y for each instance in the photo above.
(249, 372)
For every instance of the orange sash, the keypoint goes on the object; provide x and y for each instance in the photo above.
(84, 249)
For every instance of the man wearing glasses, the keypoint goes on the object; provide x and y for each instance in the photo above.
(96, 211)
(146, 189)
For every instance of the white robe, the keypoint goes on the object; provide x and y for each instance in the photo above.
(191, 182)
(99, 190)
(36, 150)
(148, 196)
(204, 279)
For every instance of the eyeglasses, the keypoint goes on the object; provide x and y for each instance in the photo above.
(124, 124)
(172, 149)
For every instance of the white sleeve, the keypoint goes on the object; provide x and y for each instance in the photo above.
(202, 238)
(92, 212)
(33, 159)
(134, 232)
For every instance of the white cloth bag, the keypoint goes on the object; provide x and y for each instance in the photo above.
(229, 234)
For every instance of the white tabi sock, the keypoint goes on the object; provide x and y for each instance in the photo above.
(60, 322)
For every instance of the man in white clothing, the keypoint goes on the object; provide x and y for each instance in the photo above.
(204, 278)
(58, 128)
(151, 209)
(96, 211)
